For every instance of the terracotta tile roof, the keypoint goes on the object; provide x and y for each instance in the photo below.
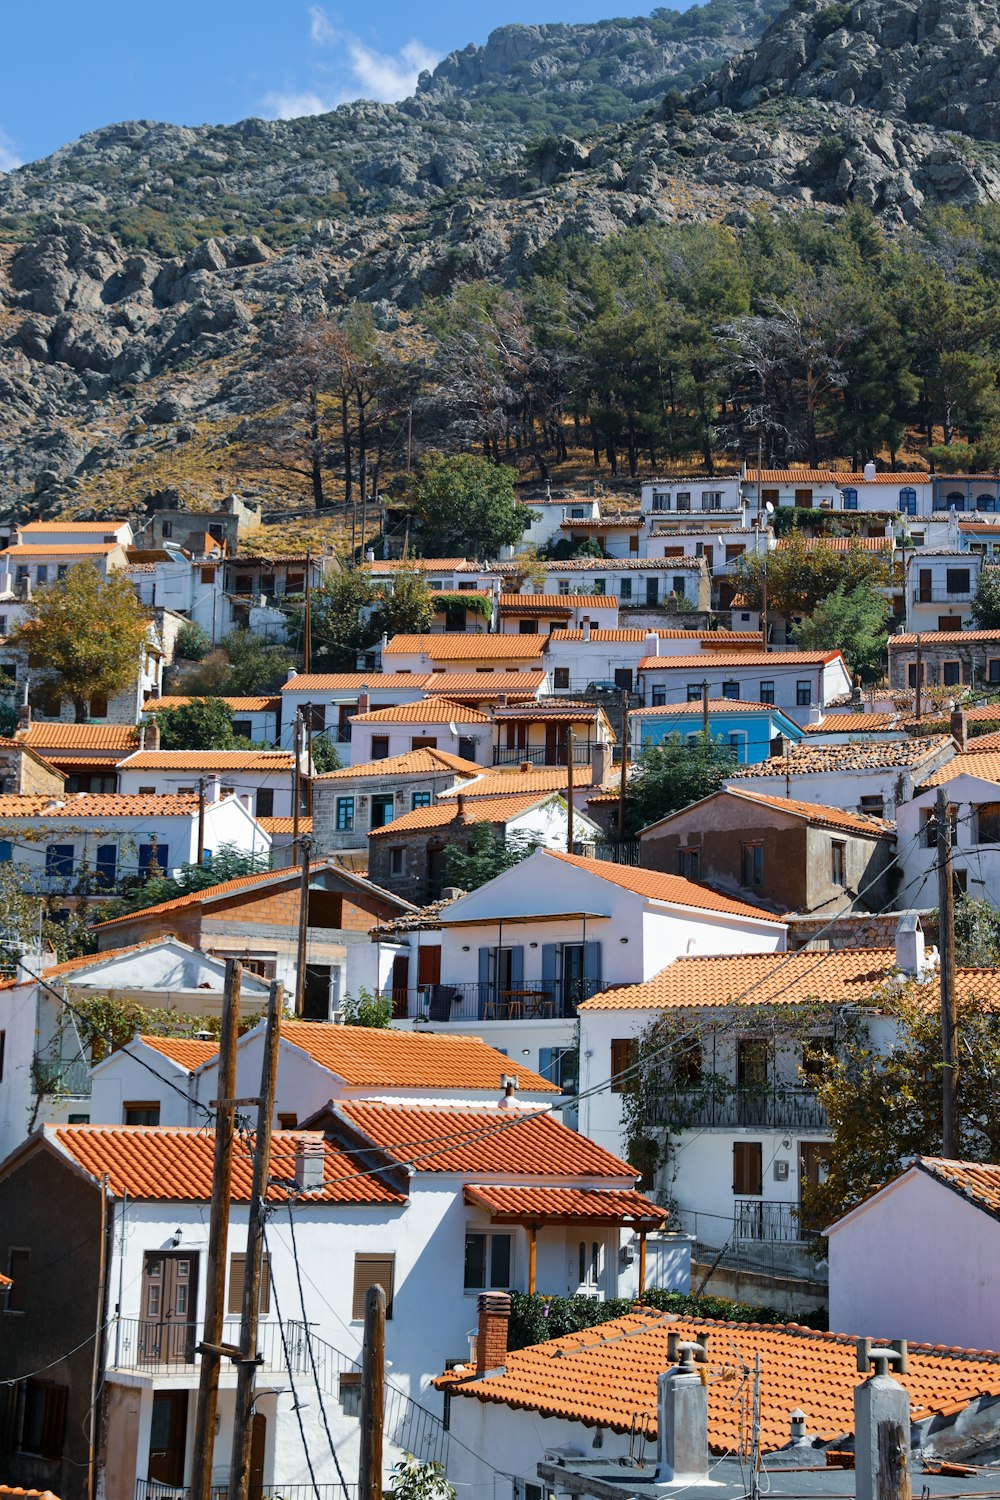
(486, 1142)
(757, 659)
(982, 763)
(791, 476)
(915, 476)
(588, 1204)
(481, 685)
(285, 825)
(554, 604)
(559, 712)
(40, 736)
(457, 646)
(366, 1056)
(622, 564)
(945, 638)
(497, 783)
(673, 889)
(68, 549)
(98, 805)
(844, 543)
(715, 706)
(209, 894)
(707, 639)
(810, 759)
(423, 711)
(238, 705)
(607, 1377)
(633, 523)
(208, 760)
(422, 762)
(38, 528)
(185, 1051)
(476, 810)
(5, 1281)
(341, 682)
(422, 565)
(812, 812)
(14, 1491)
(174, 1164)
(979, 1182)
(58, 760)
(855, 724)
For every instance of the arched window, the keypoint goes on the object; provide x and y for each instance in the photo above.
(986, 503)
(908, 501)
(955, 500)
(850, 499)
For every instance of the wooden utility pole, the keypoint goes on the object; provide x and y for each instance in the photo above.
(307, 620)
(201, 821)
(621, 784)
(246, 1373)
(704, 707)
(946, 948)
(372, 1396)
(304, 850)
(309, 759)
(569, 800)
(296, 775)
(218, 1233)
(918, 671)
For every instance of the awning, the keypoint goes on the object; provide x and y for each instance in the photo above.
(557, 1205)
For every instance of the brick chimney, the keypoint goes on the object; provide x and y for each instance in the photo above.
(152, 740)
(364, 702)
(600, 763)
(491, 1335)
(959, 727)
(460, 808)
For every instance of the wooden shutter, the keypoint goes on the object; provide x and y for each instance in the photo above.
(748, 1168)
(372, 1270)
(237, 1280)
(623, 1055)
(54, 1420)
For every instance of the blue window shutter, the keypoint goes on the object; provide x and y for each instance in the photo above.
(6, 850)
(549, 971)
(592, 968)
(207, 855)
(107, 865)
(484, 966)
(517, 967)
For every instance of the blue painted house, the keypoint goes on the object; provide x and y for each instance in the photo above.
(749, 729)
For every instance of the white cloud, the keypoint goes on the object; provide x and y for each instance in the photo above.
(292, 106)
(9, 158)
(361, 72)
(386, 77)
(320, 28)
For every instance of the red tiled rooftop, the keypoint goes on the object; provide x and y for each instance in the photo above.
(672, 889)
(186, 1051)
(590, 1205)
(366, 1056)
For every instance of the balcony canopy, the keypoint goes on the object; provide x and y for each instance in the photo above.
(559, 1205)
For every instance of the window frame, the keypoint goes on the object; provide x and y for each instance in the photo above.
(371, 1258)
(490, 1283)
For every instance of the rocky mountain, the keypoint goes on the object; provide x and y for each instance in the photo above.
(138, 264)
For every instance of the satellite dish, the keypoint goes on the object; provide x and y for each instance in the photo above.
(769, 508)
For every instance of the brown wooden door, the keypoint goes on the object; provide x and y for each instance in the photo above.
(429, 964)
(813, 1157)
(169, 1307)
(924, 588)
(555, 744)
(168, 1437)
(258, 1443)
(400, 980)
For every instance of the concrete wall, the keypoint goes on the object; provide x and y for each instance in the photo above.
(446, 736)
(325, 795)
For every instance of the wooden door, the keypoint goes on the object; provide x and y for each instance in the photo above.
(258, 1443)
(924, 586)
(169, 1305)
(813, 1157)
(429, 965)
(400, 980)
(168, 1437)
(555, 744)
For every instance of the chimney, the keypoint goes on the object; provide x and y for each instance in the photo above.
(501, 700)
(525, 767)
(958, 724)
(369, 554)
(291, 673)
(384, 641)
(24, 715)
(364, 702)
(142, 736)
(310, 1162)
(870, 472)
(881, 1425)
(460, 808)
(799, 1421)
(585, 627)
(211, 789)
(652, 643)
(508, 1099)
(599, 764)
(682, 1418)
(152, 740)
(910, 944)
(491, 1335)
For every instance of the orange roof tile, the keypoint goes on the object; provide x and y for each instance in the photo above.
(422, 565)
(345, 682)
(424, 762)
(68, 549)
(244, 705)
(844, 543)
(482, 685)
(5, 1281)
(983, 763)
(15, 1492)
(557, 604)
(756, 659)
(589, 1204)
(174, 1163)
(977, 1181)
(607, 1377)
(208, 760)
(460, 647)
(704, 638)
(793, 476)
(476, 810)
(48, 737)
(97, 805)
(945, 638)
(673, 889)
(285, 825)
(365, 1055)
(486, 1142)
(186, 1051)
(812, 812)
(811, 759)
(423, 711)
(859, 724)
(40, 527)
(515, 781)
(715, 706)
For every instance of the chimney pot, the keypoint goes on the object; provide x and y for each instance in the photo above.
(958, 724)
(910, 944)
(682, 1411)
(585, 625)
(364, 702)
(869, 472)
(310, 1163)
(508, 1099)
(491, 1335)
(652, 643)
(460, 814)
(152, 737)
(599, 764)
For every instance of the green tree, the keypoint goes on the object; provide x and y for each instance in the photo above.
(84, 634)
(413, 1479)
(243, 666)
(800, 574)
(465, 506)
(325, 755)
(854, 622)
(405, 608)
(192, 642)
(672, 775)
(350, 611)
(202, 724)
(366, 1009)
(986, 600)
(487, 855)
(225, 863)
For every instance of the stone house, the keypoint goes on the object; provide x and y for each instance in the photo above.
(24, 772)
(349, 803)
(197, 531)
(948, 658)
(86, 754)
(433, 723)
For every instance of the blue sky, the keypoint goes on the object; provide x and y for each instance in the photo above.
(72, 65)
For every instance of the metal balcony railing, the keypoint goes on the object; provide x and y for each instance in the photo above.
(152, 1489)
(62, 1076)
(527, 1001)
(941, 596)
(543, 755)
(724, 1108)
(766, 1220)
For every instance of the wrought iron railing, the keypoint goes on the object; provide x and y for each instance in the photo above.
(153, 1489)
(941, 596)
(527, 1001)
(726, 1108)
(52, 1073)
(767, 1220)
(543, 755)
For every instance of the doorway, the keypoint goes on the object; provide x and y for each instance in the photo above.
(555, 744)
(169, 1302)
(383, 804)
(168, 1437)
(316, 993)
(399, 982)
(813, 1158)
(258, 1445)
(572, 978)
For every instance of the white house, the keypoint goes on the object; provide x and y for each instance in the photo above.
(864, 775)
(972, 781)
(74, 533)
(447, 652)
(940, 585)
(41, 563)
(434, 723)
(936, 1226)
(256, 718)
(260, 779)
(549, 517)
(690, 495)
(610, 659)
(327, 700)
(540, 614)
(800, 682)
(170, 578)
(636, 582)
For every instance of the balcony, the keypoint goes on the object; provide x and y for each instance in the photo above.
(57, 1076)
(530, 1001)
(718, 1107)
(763, 1220)
(942, 596)
(543, 755)
(168, 1347)
(152, 1489)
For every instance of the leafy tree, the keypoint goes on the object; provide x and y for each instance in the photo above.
(884, 1108)
(24, 915)
(986, 600)
(488, 855)
(800, 574)
(202, 724)
(225, 863)
(350, 612)
(243, 665)
(366, 1009)
(84, 634)
(977, 933)
(465, 506)
(406, 608)
(325, 754)
(192, 642)
(413, 1479)
(853, 622)
(672, 775)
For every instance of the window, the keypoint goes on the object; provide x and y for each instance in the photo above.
(167, 529)
(803, 694)
(3, 624)
(711, 499)
(420, 799)
(625, 589)
(265, 802)
(380, 747)
(993, 669)
(730, 690)
(564, 585)
(951, 673)
(850, 499)
(816, 1056)
(659, 698)
(59, 860)
(600, 585)
(988, 823)
(911, 674)
(624, 1051)
(767, 692)
(154, 854)
(683, 499)
(345, 814)
(18, 1267)
(686, 1063)
(558, 1065)
(688, 863)
(589, 1262)
(957, 580)
(928, 822)
(42, 573)
(527, 627)
(22, 573)
(487, 1262)
(748, 1169)
(423, 742)
(752, 864)
(873, 805)
(694, 692)
(372, 1270)
(396, 861)
(908, 502)
(560, 677)
(738, 744)
(6, 851)
(383, 805)
(62, 570)
(140, 1114)
(243, 729)
(467, 747)
(838, 862)
(43, 1418)
(455, 618)
(986, 502)
(98, 707)
(677, 584)
(237, 1279)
